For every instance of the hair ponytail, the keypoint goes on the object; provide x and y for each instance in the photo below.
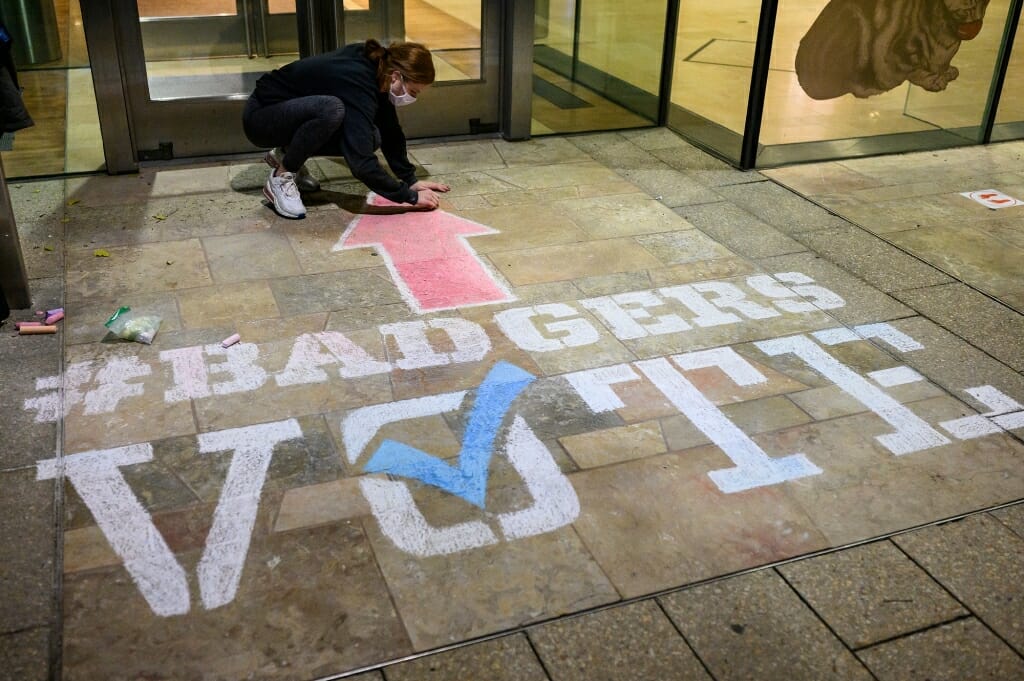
(412, 60)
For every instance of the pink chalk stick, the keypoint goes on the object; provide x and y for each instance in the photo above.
(55, 317)
(230, 340)
(18, 325)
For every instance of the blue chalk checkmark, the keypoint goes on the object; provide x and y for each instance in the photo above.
(469, 479)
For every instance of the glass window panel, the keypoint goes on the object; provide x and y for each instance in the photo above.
(1010, 116)
(711, 75)
(185, 8)
(451, 30)
(597, 65)
(53, 70)
(879, 76)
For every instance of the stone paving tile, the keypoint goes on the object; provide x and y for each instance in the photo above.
(42, 248)
(677, 248)
(245, 257)
(457, 157)
(666, 509)
(960, 650)
(471, 184)
(523, 198)
(226, 304)
(167, 219)
(321, 504)
(334, 291)
(35, 201)
(739, 230)
(542, 225)
(615, 151)
(632, 641)
(25, 655)
(671, 187)
(970, 255)
(136, 269)
(508, 658)
(973, 316)
(705, 168)
(192, 180)
(566, 262)
(614, 445)
(26, 576)
(955, 365)
(608, 217)
(821, 178)
(870, 593)
(540, 151)
(981, 562)
(720, 268)
(115, 190)
(84, 323)
(561, 175)
(448, 598)
(283, 622)
(650, 139)
(754, 627)
(753, 417)
(863, 303)
(780, 208)
(610, 284)
(27, 437)
(1012, 517)
(865, 490)
(868, 257)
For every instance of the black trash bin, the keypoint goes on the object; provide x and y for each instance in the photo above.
(33, 25)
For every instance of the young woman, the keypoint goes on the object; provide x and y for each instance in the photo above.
(341, 104)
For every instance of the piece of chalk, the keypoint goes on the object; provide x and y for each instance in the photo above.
(55, 317)
(54, 311)
(230, 340)
(31, 330)
(18, 325)
(40, 313)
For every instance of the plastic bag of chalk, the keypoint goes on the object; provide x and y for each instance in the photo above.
(134, 327)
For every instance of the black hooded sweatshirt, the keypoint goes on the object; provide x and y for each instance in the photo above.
(351, 76)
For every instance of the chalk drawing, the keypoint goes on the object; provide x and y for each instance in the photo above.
(623, 318)
(555, 503)
(192, 373)
(754, 468)
(220, 567)
(471, 342)
(306, 358)
(468, 479)
(428, 257)
(517, 325)
(1005, 414)
(912, 434)
(128, 527)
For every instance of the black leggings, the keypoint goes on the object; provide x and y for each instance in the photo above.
(304, 127)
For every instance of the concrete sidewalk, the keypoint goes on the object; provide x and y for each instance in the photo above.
(618, 411)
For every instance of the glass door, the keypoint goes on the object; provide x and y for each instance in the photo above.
(189, 65)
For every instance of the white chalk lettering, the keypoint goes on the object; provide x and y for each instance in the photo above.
(127, 526)
(306, 358)
(113, 384)
(48, 407)
(754, 468)
(622, 320)
(707, 314)
(731, 297)
(912, 434)
(520, 330)
(220, 567)
(471, 342)
(188, 370)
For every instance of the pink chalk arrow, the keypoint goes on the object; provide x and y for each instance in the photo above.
(428, 257)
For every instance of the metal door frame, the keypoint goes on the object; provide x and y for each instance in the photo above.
(114, 38)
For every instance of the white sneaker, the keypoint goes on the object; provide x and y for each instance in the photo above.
(281, 191)
(303, 179)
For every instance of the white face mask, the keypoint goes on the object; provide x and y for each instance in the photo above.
(402, 99)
